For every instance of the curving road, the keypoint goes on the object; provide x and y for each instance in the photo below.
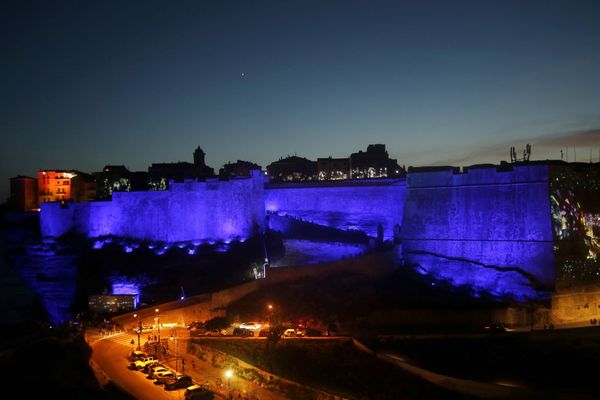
(110, 356)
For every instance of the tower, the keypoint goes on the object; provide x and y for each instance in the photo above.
(199, 157)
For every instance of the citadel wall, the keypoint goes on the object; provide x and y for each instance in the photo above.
(356, 205)
(488, 228)
(213, 210)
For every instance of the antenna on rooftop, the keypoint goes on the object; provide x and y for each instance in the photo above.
(526, 154)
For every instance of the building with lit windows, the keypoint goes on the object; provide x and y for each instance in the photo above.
(374, 163)
(112, 303)
(112, 178)
(239, 168)
(54, 185)
(83, 187)
(160, 174)
(333, 169)
(292, 169)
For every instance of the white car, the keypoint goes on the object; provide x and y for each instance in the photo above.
(250, 325)
(161, 377)
(155, 370)
(290, 333)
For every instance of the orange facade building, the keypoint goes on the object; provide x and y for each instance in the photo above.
(54, 185)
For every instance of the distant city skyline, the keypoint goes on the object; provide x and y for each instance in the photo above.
(439, 83)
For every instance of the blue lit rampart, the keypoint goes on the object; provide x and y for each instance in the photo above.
(484, 228)
(354, 205)
(488, 227)
(215, 210)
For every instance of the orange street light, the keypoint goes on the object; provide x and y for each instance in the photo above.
(138, 330)
(158, 325)
(228, 375)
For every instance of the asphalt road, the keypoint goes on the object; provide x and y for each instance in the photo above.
(110, 354)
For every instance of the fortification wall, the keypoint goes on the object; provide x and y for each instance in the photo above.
(55, 220)
(217, 210)
(348, 207)
(485, 228)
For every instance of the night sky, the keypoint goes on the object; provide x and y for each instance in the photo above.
(90, 83)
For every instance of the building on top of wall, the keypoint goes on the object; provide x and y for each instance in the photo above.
(54, 185)
(159, 174)
(333, 169)
(292, 169)
(83, 187)
(239, 168)
(209, 210)
(23, 193)
(374, 163)
(112, 178)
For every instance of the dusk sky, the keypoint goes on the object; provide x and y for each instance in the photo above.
(85, 84)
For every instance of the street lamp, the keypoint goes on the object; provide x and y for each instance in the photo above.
(176, 350)
(228, 374)
(139, 330)
(158, 325)
(270, 307)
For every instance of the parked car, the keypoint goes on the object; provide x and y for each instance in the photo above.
(214, 333)
(178, 382)
(290, 332)
(250, 325)
(494, 328)
(196, 392)
(300, 332)
(264, 333)
(146, 369)
(155, 370)
(163, 376)
(242, 332)
(137, 355)
(143, 363)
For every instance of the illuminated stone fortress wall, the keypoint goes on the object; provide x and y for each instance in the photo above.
(348, 205)
(208, 210)
(486, 227)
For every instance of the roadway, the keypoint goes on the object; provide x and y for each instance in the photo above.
(109, 360)
(110, 356)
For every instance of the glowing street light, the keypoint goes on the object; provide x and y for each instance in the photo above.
(270, 308)
(138, 330)
(176, 350)
(228, 375)
(158, 325)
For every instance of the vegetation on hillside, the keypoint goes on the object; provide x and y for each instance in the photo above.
(333, 366)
